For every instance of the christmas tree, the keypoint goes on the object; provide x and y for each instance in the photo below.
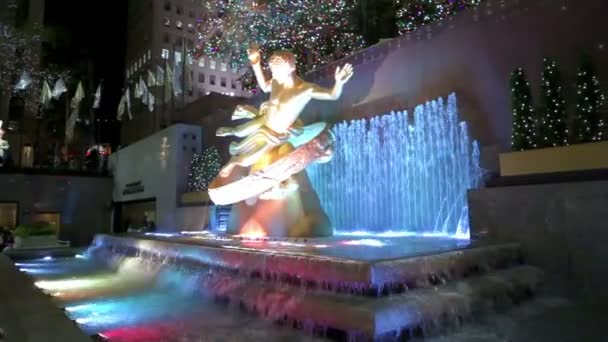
(552, 127)
(203, 169)
(412, 14)
(317, 32)
(523, 134)
(588, 123)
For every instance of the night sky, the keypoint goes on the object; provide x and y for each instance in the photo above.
(89, 37)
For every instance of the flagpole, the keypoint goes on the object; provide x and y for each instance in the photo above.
(183, 76)
(67, 115)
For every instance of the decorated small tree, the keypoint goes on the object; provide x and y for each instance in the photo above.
(203, 169)
(523, 135)
(588, 124)
(552, 127)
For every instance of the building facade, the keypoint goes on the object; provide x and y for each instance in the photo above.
(160, 34)
(150, 177)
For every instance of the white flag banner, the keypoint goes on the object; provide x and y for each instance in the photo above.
(124, 105)
(144, 91)
(128, 97)
(151, 102)
(168, 83)
(97, 97)
(138, 92)
(121, 107)
(46, 95)
(24, 81)
(59, 88)
(151, 79)
(78, 96)
(160, 76)
(71, 124)
(177, 78)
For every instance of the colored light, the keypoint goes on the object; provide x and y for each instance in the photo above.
(77, 307)
(79, 256)
(252, 230)
(65, 284)
(365, 242)
(161, 234)
(47, 258)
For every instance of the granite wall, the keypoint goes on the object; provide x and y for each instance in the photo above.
(562, 227)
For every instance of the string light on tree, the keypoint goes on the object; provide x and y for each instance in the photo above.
(19, 57)
(412, 14)
(588, 123)
(317, 32)
(552, 123)
(523, 135)
(203, 169)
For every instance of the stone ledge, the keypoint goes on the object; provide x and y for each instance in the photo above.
(591, 156)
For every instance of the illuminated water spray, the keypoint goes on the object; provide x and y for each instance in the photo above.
(402, 174)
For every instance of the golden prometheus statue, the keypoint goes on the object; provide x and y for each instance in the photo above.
(276, 145)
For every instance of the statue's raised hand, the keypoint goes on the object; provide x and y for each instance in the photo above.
(344, 74)
(255, 56)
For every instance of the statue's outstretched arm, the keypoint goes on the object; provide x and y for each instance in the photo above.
(255, 58)
(342, 76)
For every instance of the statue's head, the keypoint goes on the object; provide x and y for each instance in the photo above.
(282, 65)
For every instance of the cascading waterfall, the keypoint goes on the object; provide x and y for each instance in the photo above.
(392, 174)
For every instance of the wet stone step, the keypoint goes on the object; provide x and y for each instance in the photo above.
(376, 277)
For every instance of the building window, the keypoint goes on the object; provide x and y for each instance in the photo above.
(178, 56)
(166, 38)
(165, 54)
(201, 77)
(149, 54)
(212, 64)
(212, 79)
(223, 82)
(233, 84)
(223, 66)
(190, 28)
(145, 57)
(234, 67)
(179, 24)
(201, 62)
(167, 21)
(139, 63)
(191, 14)
(179, 10)
(167, 6)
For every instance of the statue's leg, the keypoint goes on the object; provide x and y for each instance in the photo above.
(249, 127)
(245, 160)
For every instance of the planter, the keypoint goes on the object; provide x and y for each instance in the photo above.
(196, 198)
(43, 241)
(581, 157)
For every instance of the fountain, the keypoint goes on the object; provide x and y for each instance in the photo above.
(395, 191)
(392, 174)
